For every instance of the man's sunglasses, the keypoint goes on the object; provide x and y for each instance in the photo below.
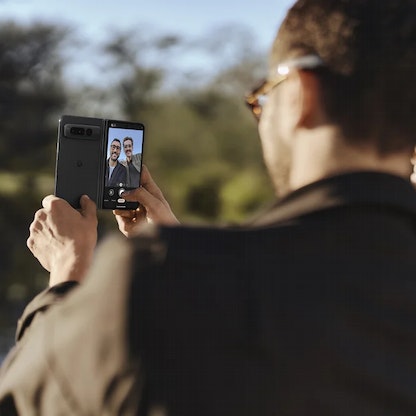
(257, 98)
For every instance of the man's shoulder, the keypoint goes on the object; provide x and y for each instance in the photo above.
(209, 245)
(136, 159)
(355, 190)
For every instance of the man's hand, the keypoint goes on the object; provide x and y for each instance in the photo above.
(153, 207)
(63, 239)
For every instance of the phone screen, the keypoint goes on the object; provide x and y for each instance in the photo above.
(123, 164)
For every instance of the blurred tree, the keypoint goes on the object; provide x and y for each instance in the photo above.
(32, 95)
(201, 143)
(140, 79)
(199, 135)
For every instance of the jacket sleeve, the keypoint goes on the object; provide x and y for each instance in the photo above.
(71, 358)
(41, 303)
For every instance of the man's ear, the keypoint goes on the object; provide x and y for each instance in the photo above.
(309, 110)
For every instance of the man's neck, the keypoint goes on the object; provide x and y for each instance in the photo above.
(112, 163)
(324, 154)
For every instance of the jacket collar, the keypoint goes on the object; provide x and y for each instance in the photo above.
(358, 188)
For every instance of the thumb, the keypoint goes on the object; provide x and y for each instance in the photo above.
(88, 207)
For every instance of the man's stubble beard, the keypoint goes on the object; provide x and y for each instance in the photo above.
(280, 169)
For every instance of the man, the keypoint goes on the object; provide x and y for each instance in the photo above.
(116, 173)
(311, 310)
(133, 163)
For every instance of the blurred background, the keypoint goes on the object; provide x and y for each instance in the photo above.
(181, 68)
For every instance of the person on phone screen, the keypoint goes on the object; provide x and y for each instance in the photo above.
(309, 309)
(116, 173)
(132, 163)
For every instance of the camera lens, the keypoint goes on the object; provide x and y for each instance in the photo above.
(89, 132)
(79, 131)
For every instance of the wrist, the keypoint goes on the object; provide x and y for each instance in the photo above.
(70, 267)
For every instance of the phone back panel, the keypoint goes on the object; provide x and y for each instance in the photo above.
(79, 159)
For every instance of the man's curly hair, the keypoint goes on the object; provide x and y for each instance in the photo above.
(368, 80)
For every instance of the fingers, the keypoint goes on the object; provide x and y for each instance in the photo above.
(127, 226)
(153, 206)
(156, 210)
(63, 238)
(143, 197)
(125, 213)
(148, 194)
(40, 215)
(88, 207)
(123, 224)
(131, 216)
(36, 227)
(51, 200)
(38, 221)
(148, 183)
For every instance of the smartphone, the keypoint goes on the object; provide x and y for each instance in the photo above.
(100, 158)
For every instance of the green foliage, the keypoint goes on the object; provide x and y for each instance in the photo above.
(201, 143)
(243, 194)
(31, 93)
(207, 140)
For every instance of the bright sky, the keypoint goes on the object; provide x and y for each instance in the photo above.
(94, 19)
(183, 16)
